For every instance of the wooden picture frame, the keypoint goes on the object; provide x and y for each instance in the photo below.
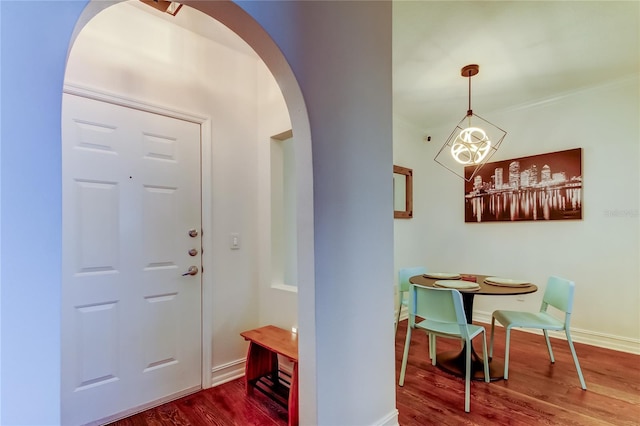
(402, 192)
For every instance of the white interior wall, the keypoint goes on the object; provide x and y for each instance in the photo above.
(276, 191)
(289, 213)
(340, 53)
(178, 69)
(278, 306)
(283, 212)
(31, 84)
(600, 253)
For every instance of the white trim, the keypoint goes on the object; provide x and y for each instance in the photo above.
(206, 201)
(207, 254)
(227, 372)
(123, 100)
(285, 287)
(587, 337)
(390, 419)
(602, 340)
(144, 407)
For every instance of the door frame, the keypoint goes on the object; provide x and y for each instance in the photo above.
(206, 167)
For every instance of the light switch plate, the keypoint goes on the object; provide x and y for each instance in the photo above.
(234, 241)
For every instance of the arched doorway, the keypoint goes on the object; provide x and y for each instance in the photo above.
(348, 97)
(234, 15)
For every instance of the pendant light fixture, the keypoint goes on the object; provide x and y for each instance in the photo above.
(473, 141)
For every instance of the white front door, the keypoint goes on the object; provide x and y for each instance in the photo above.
(131, 321)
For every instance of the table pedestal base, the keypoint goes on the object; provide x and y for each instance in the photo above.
(453, 363)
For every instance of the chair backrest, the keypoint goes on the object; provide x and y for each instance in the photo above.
(559, 294)
(405, 273)
(438, 305)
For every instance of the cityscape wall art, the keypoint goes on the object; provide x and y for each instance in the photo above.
(539, 187)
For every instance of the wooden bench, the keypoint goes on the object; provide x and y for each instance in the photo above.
(262, 371)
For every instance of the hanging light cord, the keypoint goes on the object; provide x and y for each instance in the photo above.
(469, 111)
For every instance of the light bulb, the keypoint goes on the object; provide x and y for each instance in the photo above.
(471, 146)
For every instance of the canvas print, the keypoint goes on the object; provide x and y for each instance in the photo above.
(539, 187)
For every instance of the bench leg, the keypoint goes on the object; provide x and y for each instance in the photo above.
(260, 362)
(293, 397)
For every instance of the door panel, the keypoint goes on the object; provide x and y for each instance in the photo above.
(130, 320)
(97, 210)
(99, 355)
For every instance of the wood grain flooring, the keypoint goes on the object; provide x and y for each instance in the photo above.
(224, 405)
(537, 392)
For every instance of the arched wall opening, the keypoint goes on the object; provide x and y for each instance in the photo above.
(232, 16)
(348, 98)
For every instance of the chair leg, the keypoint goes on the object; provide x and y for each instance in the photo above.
(484, 357)
(506, 353)
(546, 337)
(493, 326)
(575, 360)
(399, 310)
(405, 356)
(467, 378)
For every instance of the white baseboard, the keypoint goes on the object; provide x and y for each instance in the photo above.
(390, 419)
(143, 407)
(235, 369)
(601, 340)
(227, 372)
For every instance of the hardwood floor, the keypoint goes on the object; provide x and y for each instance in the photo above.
(224, 405)
(537, 392)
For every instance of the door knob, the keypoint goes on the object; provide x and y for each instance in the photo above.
(193, 270)
(193, 252)
(193, 233)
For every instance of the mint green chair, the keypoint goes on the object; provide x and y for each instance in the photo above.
(559, 294)
(403, 286)
(443, 313)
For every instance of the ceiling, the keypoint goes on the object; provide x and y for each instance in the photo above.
(527, 51)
